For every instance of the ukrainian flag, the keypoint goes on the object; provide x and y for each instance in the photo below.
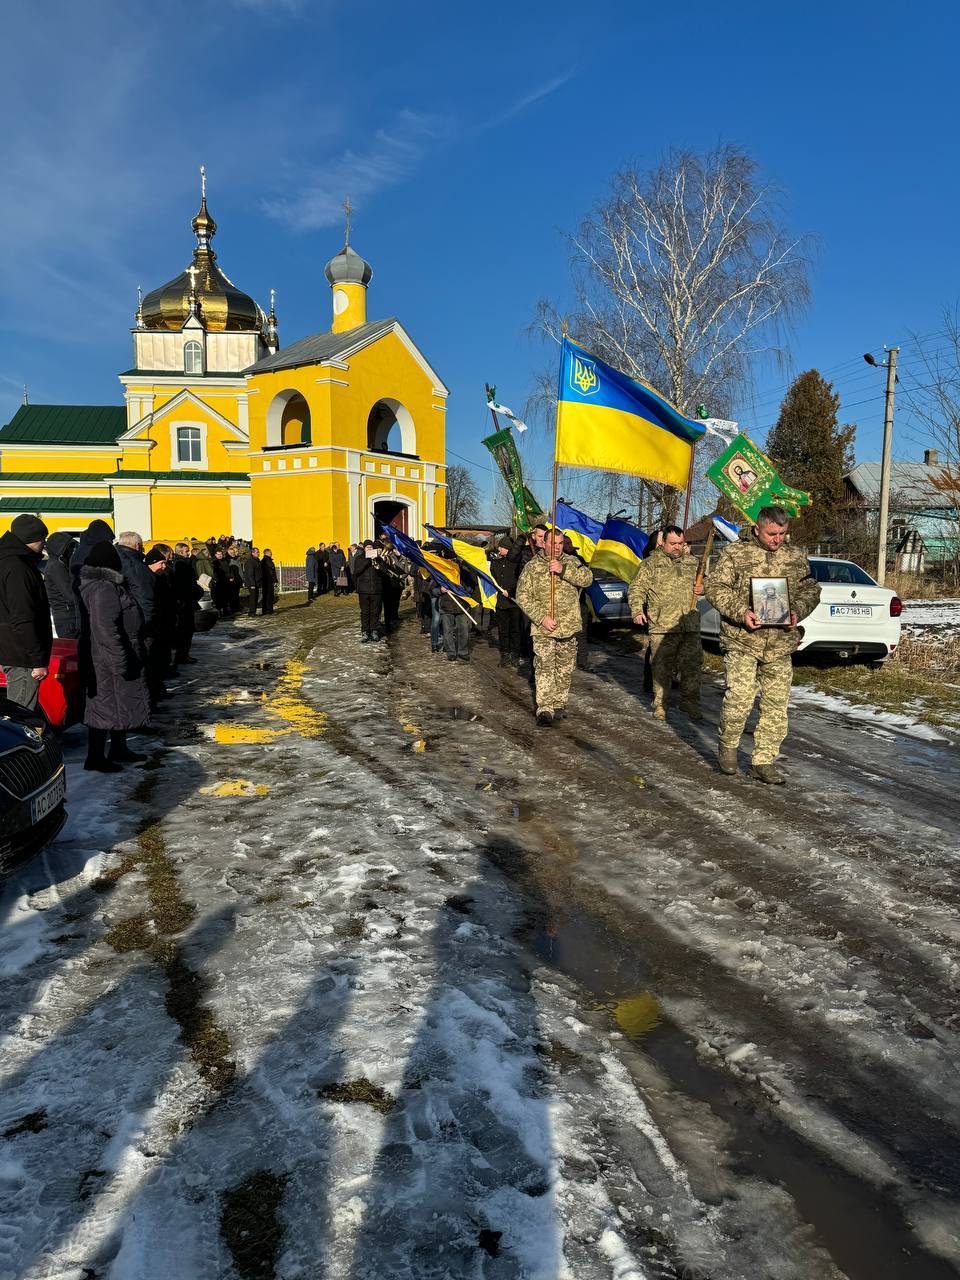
(476, 559)
(608, 421)
(582, 530)
(620, 549)
(446, 572)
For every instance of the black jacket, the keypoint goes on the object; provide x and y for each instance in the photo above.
(253, 573)
(139, 580)
(505, 571)
(64, 604)
(96, 531)
(187, 591)
(268, 568)
(25, 630)
(111, 655)
(366, 574)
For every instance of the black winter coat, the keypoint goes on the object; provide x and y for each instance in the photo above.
(25, 631)
(139, 581)
(96, 531)
(64, 604)
(338, 562)
(270, 576)
(187, 591)
(310, 567)
(111, 655)
(367, 575)
(505, 572)
(253, 573)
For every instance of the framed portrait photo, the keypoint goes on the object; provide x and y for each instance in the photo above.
(770, 601)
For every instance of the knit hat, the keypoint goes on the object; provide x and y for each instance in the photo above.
(29, 528)
(103, 555)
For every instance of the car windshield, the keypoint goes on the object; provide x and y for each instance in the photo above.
(843, 571)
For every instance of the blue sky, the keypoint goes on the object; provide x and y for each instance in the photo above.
(468, 138)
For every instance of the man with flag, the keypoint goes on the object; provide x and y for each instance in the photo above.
(548, 592)
(662, 594)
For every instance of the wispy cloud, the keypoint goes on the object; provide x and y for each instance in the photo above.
(517, 108)
(393, 154)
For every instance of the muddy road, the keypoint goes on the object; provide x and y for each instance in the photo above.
(366, 975)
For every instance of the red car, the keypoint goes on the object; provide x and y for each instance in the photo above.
(60, 694)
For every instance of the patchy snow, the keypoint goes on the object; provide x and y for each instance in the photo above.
(875, 719)
(407, 966)
(931, 613)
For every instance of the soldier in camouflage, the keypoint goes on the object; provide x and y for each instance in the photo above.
(553, 632)
(662, 595)
(758, 656)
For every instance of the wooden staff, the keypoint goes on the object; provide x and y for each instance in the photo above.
(456, 601)
(702, 567)
(552, 534)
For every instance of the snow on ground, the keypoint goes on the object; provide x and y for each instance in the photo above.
(364, 976)
(874, 719)
(931, 613)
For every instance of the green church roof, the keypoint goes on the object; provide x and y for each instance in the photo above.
(45, 505)
(65, 424)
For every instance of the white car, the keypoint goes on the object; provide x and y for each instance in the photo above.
(855, 618)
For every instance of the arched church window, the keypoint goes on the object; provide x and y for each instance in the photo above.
(193, 358)
(188, 444)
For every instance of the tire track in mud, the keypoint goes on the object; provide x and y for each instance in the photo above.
(859, 1098)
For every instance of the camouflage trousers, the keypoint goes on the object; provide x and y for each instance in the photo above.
(745, 675)
(679, 654)
(553, 664)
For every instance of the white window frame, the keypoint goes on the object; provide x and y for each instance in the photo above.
(200, 464)
(193, 373)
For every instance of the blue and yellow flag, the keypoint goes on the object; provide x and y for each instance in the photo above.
(620, 549)
(476, 559)
(446, 572)
(582, 530)
(608, 421)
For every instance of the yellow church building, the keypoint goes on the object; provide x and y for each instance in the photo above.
(225, 431)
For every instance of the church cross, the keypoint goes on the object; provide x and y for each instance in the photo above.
(347, 209)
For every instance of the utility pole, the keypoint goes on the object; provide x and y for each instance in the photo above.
(891, 363)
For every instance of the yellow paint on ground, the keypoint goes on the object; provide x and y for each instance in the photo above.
(638, 780)
(420, 745)
(240, 734)
(407, 727)
(235, 787)
(286, 704)
(638, 1014)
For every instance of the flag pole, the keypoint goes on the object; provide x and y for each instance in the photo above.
(461, 608)
(686, 500)
(556, 468)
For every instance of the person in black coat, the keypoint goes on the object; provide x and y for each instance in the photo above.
(96, 531)
(338, 569)
(310, 570)
(111, 661)
(187, 593)
(137, 576)
(56, 575)
(160, 646)
(369, 581)
(253, 579)
(26, 634)
(271, 580)
(505, 570)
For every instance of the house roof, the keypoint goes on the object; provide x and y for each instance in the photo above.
(911, 483)
(65, 424)
(44, 504)
(317, 347)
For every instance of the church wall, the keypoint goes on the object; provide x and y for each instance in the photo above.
(295, 510)
(386, 370)
(267, 392)
(60, 458)
(184, 513)
(214, 436)
(59, 522)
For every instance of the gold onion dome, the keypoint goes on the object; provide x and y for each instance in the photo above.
(221, 305)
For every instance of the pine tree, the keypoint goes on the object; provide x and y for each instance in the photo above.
(811, 451)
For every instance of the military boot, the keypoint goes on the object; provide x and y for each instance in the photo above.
(727, 759)
(768, 773)
(694, 712)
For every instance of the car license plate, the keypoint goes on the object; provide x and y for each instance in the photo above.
(48, 799)
(851, 611)
(614, 595)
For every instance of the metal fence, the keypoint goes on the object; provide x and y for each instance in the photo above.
(293, 577)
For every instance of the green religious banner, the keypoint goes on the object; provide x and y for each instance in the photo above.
(526, 509)
(749, 480)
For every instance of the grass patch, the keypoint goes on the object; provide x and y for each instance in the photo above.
(250, 1224)
(265, 899)
(361, 1090)
(105, 883)
(33, 1122)
(170, 912)
(133, 934)
(351, 928)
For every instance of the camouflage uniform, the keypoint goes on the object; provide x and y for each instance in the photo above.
(758, 659)
(554, 652)
(663, 589)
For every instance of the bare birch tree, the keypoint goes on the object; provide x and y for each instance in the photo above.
(463, 497)
(685, 278)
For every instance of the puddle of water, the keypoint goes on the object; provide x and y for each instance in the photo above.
(863, 1231)
(523, 810)
(461, 713)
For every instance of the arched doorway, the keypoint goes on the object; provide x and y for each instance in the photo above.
(390, 428)
(389, 511)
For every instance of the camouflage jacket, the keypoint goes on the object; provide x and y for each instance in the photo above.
(728, 589)
(533, 594)
(663, 589)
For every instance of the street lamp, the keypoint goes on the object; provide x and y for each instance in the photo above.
(890, 364)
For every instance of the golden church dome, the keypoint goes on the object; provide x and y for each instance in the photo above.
(220, 304)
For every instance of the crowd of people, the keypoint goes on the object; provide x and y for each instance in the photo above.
(133, 615)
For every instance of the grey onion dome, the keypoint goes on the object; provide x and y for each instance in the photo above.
(348, 268)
